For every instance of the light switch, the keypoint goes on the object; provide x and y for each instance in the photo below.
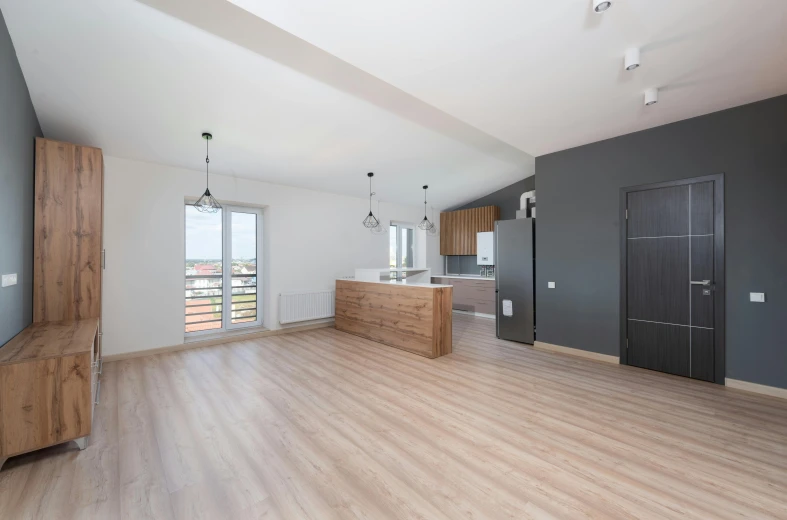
(758, 297)
(550, 285)
(9, 279)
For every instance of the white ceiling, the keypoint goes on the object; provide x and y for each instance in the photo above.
(144, 85)
(459, 94)
(546, 75)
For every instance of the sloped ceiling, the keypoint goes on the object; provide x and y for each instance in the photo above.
(548, 75)
(457, 94)
(144, 83)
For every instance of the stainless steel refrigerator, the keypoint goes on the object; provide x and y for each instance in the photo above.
(515, 279)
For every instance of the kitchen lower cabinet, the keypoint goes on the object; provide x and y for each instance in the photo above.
(471, 294)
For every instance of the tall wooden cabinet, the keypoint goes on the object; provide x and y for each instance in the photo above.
(458, 229)
(49, 373)
(68, 224)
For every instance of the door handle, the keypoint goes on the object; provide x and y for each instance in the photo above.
(703, 282)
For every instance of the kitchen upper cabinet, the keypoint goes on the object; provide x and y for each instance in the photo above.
(459, 229)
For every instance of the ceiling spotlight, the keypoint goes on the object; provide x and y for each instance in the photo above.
(600, 6)
(632, 58)
(651, 96)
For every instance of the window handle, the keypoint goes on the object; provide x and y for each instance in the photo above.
(702, 282)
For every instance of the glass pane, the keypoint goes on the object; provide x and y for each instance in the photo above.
(203, 270)
(244, 267)
(392, 246)
(407, 247)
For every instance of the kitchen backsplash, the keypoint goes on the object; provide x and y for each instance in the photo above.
(465, 265)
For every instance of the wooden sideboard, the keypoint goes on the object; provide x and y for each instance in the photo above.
(472, 294)
(458, 229)
(49, 371)
(412, 317)
(48, 386)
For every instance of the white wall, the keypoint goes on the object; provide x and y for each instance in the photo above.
(310, 238)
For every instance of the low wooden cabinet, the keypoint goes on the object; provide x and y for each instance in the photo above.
(472, 294)
(49, 383)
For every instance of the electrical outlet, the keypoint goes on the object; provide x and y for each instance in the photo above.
(9, 279)
(758, 297)
(550, 285)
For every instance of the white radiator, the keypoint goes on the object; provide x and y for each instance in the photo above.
(305, 306)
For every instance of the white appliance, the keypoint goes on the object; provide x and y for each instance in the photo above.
(485, 243)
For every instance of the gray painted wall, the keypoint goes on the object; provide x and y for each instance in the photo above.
(18, 128)
(508, 201)
(507, 198)
(577, 244)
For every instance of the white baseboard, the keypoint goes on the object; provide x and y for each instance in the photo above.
(773, 391)
(577, 352)
(215, 341)
(479, 314)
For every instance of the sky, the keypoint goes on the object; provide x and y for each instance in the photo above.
(203, 235)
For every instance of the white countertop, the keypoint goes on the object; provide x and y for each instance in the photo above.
(395, 269)
(399, 282)
(464, 276)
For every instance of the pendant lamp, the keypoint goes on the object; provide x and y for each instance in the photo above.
(425, 224)
(207, 203)
(370, 221)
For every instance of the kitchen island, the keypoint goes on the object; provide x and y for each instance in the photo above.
(408, 315)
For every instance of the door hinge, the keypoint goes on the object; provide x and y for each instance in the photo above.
(627, 213)
(627, 343)
(103, 259)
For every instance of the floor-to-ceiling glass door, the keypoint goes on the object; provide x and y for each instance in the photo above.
(222, 259)
(242, 306)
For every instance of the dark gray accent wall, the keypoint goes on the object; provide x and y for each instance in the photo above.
(508, 201)
(18, 128)
(577, 244)
(506, 198)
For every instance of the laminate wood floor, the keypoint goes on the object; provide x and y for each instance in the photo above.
(324, 425)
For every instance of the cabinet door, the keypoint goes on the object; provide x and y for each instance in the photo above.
(77, 378)
(459, 229)
(45, 402)
(27, 400)
(68, 222)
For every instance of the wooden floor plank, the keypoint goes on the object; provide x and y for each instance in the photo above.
(321, 424)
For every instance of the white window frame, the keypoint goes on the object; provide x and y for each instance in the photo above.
(399, 248)
(226, 263)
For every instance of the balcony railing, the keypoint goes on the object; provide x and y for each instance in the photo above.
(205, 300)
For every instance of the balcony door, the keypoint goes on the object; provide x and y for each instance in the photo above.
(222, 251)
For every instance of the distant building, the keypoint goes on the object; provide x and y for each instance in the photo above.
(205, 269)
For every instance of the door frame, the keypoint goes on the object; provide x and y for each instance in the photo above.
(719, 295)
(226, 247)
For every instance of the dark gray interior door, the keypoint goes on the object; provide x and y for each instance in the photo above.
(670, 280)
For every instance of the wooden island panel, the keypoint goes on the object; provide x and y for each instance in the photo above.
(416, 318)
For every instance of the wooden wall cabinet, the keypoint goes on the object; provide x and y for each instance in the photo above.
(69, 189)
(458, 229)
(49, 372)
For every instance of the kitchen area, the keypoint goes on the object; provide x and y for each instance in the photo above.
(489, 267)
(490, 263)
